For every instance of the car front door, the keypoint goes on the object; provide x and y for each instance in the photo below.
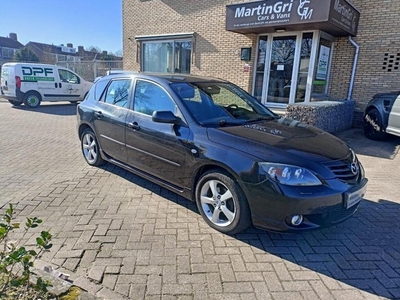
(157, 149)
(110, 118)
(394, 118)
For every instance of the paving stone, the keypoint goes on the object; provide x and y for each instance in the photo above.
(116, 228)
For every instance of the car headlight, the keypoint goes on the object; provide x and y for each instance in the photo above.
(290, 175)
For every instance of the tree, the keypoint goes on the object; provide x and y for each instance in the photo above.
(118, 53)
(93, 49)
(26, 55)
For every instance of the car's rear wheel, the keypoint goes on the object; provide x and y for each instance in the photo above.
(15, 103)
(90, 148)
(32, 99)
(222, 203)
(373, 125)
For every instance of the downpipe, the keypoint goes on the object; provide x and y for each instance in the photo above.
(353, 72)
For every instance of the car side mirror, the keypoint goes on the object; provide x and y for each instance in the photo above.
(165, 117)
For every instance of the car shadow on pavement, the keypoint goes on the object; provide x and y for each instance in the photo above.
(363, 252)
(51, 109)
(355, 138)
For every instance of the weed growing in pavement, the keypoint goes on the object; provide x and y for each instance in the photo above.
(16, 261)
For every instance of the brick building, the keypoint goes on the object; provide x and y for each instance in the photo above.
(282, 51)
(8, 47)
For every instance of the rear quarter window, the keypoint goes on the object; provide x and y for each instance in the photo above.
(99, 88)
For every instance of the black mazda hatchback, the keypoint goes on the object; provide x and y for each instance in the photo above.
(213, 143)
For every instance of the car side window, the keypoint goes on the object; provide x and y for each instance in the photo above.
(99, 88)
(150, 97)
(117, 92)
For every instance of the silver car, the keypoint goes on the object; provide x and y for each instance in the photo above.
(382, 116)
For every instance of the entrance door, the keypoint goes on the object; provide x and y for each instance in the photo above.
(283, 51)
(284, 68)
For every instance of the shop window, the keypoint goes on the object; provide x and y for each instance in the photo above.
(167, 56)
(305, 55)
(322, 67)
(260, 67)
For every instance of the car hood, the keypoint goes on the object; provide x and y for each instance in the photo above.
(293, 139)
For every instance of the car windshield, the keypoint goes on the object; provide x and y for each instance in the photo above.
(220, 103)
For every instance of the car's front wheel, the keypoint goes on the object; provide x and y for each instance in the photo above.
(90, 148)
(222, 203)
(373, 126)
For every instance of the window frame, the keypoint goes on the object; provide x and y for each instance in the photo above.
(174, 64)
(188, 37)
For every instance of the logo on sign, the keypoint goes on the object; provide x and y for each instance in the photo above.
(304, 11)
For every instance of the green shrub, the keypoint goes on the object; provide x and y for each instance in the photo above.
(16, 261)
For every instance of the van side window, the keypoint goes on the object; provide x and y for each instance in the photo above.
(67, 76)
(117, 92)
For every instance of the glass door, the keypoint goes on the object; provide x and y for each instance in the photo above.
(283, 51)
(285, 67)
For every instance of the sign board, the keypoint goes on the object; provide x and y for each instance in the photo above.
(248, 16)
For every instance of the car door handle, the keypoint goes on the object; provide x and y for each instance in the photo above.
(134, 125)
(98, 114)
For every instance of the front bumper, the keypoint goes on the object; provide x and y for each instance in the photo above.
(320, 206)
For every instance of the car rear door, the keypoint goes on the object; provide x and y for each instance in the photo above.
(110, 117)
(394, 118)
(8, 86)
(156, 148)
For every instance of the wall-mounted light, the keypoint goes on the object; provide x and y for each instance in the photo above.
(280, 30)
(245, 53)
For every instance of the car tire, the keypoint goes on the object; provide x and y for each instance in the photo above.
(15, 103)
(32, 99)
(222, 203)
(373, 125)
(90, 148)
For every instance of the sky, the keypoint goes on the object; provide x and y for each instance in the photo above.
(86, 23)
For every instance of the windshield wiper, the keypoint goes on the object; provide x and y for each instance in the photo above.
(223, 123)
(263, 118)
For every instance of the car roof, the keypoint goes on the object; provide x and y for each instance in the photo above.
(170, 78)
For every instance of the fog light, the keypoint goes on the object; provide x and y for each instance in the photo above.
(296, 220)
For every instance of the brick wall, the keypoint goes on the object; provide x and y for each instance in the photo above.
(216, 51)
(378, 36)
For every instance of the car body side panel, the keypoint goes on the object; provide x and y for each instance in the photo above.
(157, 148)
(388, 106)
(109, 124)
(394, 118)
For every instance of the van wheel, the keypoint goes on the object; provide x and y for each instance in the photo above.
(15, 103)
(32, 99)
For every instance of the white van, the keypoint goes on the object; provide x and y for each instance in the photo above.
(31, 83)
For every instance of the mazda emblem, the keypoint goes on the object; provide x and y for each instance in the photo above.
(354, 168)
